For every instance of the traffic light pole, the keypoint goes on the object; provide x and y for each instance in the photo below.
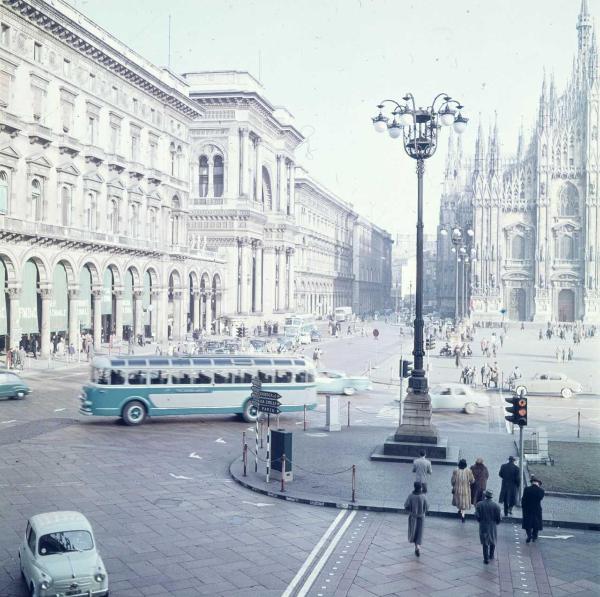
(521, 459)
(401, 388)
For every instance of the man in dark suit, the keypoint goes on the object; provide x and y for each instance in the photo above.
(509, 491)
(487, 513)
(531, 502)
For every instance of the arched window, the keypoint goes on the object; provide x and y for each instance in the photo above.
(567, 247)
(113, 216)
(218, 176)
(36, 199)
(175, 221)
(518, 247)
(152, 224)
(65, 199)
(89, 211)
(179, 162)
(172, 155)
(134, 220)
(203, 178)
(266, 198)
(3, 192)
(569, 201)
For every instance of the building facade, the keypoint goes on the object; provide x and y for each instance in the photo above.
(324, 255)
(535, 217)
(94, 192)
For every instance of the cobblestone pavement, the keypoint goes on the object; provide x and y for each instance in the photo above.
(169, 520)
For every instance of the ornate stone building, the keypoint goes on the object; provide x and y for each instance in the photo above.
(94, 192)
(535, 217)
(324, 256)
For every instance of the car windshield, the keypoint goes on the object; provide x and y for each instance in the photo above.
(65, 541)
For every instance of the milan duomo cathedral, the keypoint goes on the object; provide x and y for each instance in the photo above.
(534, 253)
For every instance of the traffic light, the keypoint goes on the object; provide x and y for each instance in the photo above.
(240, 331)
(430, 343)
(406, 368)
(517, 410)
(243, 331)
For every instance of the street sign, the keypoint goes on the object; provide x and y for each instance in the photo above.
(256, 387)
(270, 410)
(271, 395)
(268, 403)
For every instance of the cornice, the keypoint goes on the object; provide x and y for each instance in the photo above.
(66, 31)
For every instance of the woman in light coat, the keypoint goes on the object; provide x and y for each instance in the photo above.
(416, 506)
(462, 479)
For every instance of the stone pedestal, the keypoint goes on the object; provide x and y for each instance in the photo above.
(332, 413)
(416, 433)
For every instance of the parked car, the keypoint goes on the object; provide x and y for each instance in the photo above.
(550, 384)
(58, 557)
(305, 338)
(457, 396)
(12, 386)
(258, 345)
(315, 336)
(336, 382)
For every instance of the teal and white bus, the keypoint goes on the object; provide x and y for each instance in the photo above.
(134, 388)
(298, 325)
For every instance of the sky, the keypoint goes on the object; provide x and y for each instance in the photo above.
(330, 62)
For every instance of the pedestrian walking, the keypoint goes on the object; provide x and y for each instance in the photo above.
(558, 354)
(487, 513)
(531, 503)
(416, 506)
(563, 355)
(462, 478)
(422, 468)
(481, 476)
(509, 490)
(570, 353)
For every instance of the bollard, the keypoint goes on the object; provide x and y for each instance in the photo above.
(243, 439)
(283, 472)
(353, 482)
(305, 417)
(245, 458)
(262, 423)
(348, 413)
(256, 444)
(578, 422)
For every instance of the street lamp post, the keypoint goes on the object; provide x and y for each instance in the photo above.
(418, 128)
(459, 238)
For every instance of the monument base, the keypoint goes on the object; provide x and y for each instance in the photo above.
(399, 451)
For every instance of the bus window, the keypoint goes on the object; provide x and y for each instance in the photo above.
(180, 377)
(223, 377)
(116, 378)
(158, 377)
(137, 378)
(301, 377)
(265, 376)
(283, 376)
(237, 377)
(248, 375)
(310, 377)
(201, 378)
(101, 376)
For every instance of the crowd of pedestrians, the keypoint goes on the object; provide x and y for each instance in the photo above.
(469, 490)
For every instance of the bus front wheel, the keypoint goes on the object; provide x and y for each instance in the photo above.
(134, 413)
(250, 412)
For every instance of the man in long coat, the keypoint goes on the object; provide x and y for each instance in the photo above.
(487, 512)
(416, 506)
(509, 491)
(531, 502)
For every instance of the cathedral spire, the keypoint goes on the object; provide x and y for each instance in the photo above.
(543, 112)
(450, 158)
(479, 148)
(584, 28)
(494, 151)
(521, 142)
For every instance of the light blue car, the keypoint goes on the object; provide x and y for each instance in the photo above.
(337, 382)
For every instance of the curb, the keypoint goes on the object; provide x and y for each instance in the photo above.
(357, 505)
(576, 496)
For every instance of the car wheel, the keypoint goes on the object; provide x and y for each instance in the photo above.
(20, 395)
(32, 591)
(566, 393)
(349, 391)
(250, 413)
(470, 408)
(134, 413)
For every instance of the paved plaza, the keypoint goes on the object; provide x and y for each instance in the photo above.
(170, 520)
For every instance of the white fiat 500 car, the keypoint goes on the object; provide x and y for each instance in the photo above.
(550, 384)
(58, 557)
(457, 396)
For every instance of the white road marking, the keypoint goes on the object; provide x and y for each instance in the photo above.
(194, 455)
(11, 421)
(180, 477)
(220, 441)
(258, 504)
(59, 410)
(316, 434)
(556, 536)
(323, 560)
(313, 554)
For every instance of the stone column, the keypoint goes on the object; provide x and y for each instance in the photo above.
(281, 184)
(118, 319)
(196, 315)
(46, 295)
(137, 314)
(211, 171)
(291, 299)
(97, 317)
(257, 277)
(292, 184)
(14, 327)
(74, 337)
(159, 314)
(244, 162)
(243, 275)
(282, 280)
(176, 327)
(208, 312)
(268, 274)
(258, 170)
